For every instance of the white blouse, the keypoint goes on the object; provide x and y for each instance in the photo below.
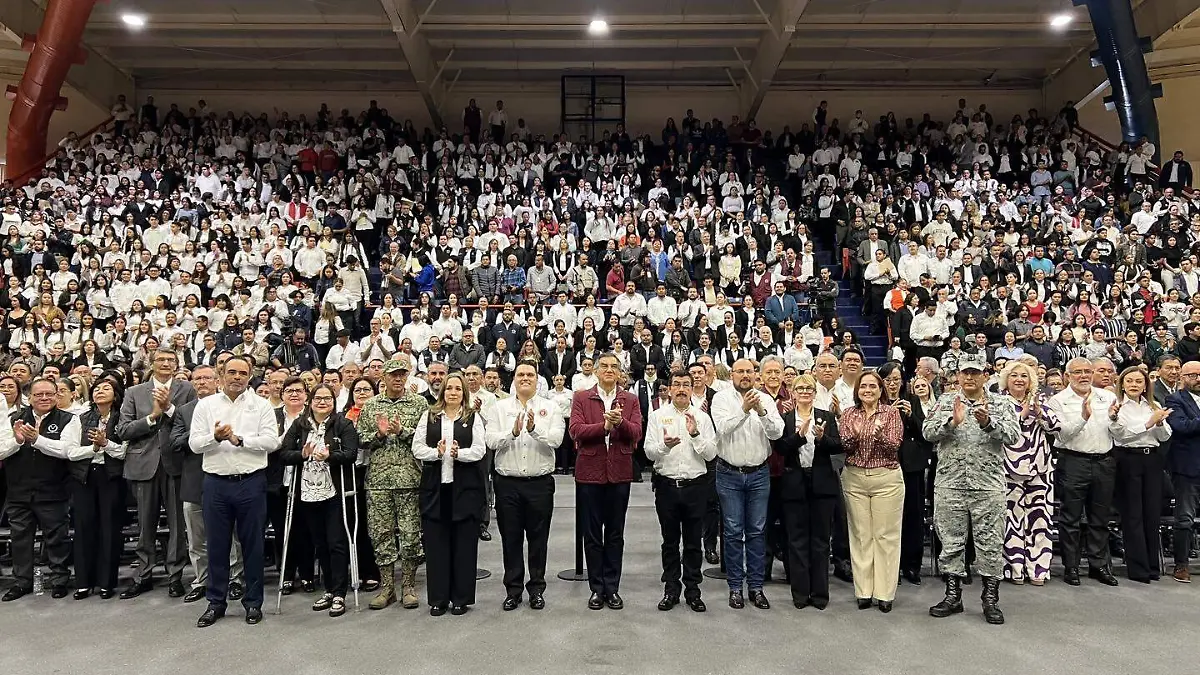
(1129, 429)
(425, 453)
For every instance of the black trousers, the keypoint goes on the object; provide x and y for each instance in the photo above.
(603, 508)
(841, 532)
(912, 525)
(808, 520)
(776, 534)
(524, 507)
(564, 455)
(713, 524)
(300, 548)
(367, 567)
(99, 509)
(1140, 474)
(24, 519)
(451, 554)
(233, 506)
(681, 507)
(327, 532)
(1085, 485)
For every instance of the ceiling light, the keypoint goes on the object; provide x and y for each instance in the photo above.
(598, 27)
(134, 20)
(1061, 20)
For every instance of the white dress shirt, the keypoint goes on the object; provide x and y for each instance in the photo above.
(744, 437)
(808, 449)
(686, 460)
(253, 421)
(530, 453)
(1129, 429)
(1090, 436)
(426, 453)
(66, 446)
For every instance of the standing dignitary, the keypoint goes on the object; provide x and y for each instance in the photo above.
(746, 422)
(206, 382)
(606, 424)
(680, 440)
(385, 427)
(153, 469)
(1184, 463)
(970, 488)
(37, 450)
(98, 498)
(808, 490)
(524, 432)
(449, 441)
(235, 431)
(1086, 472)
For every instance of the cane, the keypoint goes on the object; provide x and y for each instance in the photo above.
(287, 531)
(351, 534)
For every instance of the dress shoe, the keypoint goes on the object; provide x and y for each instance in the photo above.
(820, 604)
(135, 589)
(711, 557)
(667, 603)
(236, 591)
(615, 601)
(82, 594)
(1037, 582)
(801, 604)
(253, 615)
(511, 602)
(175, 590)
(736, 601)
(885, 606)
(323, 603)
(864, 603)
(536, 601)
(338, 607)
(1140, 580)
(194, 594)
(1104, 575)
(697, 605)
(107, 594)
(16, 593)
(210, 616)
(308, 586)
(437, 610)
(843, 571)
(458, 610)
(369, 586)
(1071, 576)
(58, 592)
(1182, 574)
(596, 601)
(484, 535)
(287, 588)
(759, 600)
(912, 576)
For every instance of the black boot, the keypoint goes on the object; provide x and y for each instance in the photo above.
(952, 603)
(991, 596)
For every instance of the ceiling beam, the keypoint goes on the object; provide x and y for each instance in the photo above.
(768, 55)
(716, 64)
(417, 54)
(97, 79)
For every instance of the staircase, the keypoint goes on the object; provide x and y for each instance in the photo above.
(849, 313)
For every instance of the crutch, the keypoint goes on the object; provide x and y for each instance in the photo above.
(351, 534)
(287, 531)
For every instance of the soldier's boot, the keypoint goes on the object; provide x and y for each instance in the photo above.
(990, 597)
(387, 587)
(408, 584)
(952, 603)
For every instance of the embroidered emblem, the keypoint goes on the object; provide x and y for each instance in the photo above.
(53, 428)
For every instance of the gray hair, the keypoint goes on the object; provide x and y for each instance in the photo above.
(770, 359)
(930, 363)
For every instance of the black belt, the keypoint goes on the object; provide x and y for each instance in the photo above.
(740, 469)
(235, 477)
(1137, 451)
(523, 479)
(682, 482)
(1084, 455)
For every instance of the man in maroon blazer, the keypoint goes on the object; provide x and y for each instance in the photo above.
(606, 424)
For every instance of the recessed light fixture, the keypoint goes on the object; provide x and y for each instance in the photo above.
(598, 27)
(134, 20)
(1061, 20)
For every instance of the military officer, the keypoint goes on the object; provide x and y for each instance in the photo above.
(385, 427)
(971, 428)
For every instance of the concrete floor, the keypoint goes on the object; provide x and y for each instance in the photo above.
(1055, 629)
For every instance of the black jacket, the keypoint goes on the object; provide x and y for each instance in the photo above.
(824, 479)
(341, 438)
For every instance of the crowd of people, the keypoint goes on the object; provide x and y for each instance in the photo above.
(351, 329)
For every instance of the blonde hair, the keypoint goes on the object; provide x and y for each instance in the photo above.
(1029, 370)
(1145, 392)
(439, 408)
(804, 379)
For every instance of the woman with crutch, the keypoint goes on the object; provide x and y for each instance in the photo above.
(322, 444)
(361, 391)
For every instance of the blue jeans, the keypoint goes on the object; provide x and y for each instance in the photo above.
(744, 510)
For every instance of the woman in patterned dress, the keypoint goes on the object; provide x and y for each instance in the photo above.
(1030, 472)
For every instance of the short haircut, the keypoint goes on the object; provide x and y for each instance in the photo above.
(682, 375)
(243, 359)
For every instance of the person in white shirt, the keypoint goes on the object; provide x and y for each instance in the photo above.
(661, 307)
(629, 305)
(1086, 472)
(343, 352)
(746, 422)
(680, 439)
(524, 431)
(234, 431)
(376, 345)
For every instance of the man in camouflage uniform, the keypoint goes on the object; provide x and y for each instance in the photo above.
(386, 427)
(971, 428)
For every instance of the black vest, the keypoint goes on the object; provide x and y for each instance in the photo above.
(32, 474)
(89, 420)
(467, 491)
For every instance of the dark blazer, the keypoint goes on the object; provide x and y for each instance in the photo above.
(150, 444)
(915, 451)
(824, 478)
(638, 359)
(1184, 457)
(551, 367)
(598, 462)
(341, 438)
(90, 420)
(191, 481)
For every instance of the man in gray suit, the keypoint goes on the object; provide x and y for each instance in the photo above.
(153, 469)
(205, 380)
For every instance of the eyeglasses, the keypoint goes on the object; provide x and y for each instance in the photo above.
(294, 391)
(805, 390)
(322, 399)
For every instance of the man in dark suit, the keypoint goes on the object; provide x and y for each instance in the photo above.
(971, 273)
(153, 469)
(561, 361)
(702, 396)
(606, 423)
(645, 353)
(1176, 173)
(1184, 463)
(191, 489)
(646, 391)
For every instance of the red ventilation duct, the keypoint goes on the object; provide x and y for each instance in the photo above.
(54, 51)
